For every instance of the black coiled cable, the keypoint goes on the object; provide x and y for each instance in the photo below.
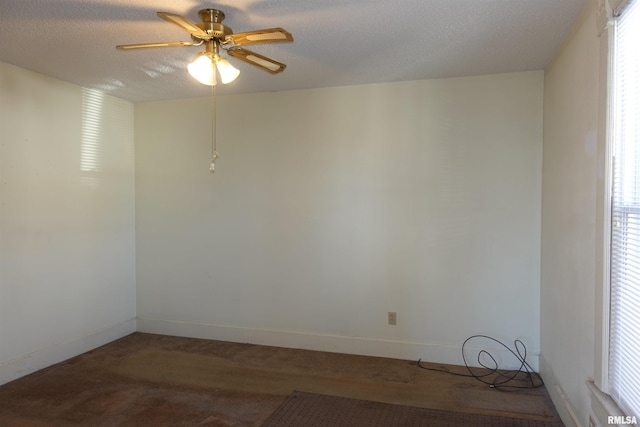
(491, 373)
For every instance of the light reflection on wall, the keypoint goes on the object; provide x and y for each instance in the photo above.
(90, 147)
(105, 118)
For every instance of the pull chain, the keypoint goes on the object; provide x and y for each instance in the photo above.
(214, 153)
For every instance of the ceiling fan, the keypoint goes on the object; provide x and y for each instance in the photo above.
(214, 35)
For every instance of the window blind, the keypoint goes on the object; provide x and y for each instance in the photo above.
(624, 323)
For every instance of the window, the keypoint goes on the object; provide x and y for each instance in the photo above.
(624, 326)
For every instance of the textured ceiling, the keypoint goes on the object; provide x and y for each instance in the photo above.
(341, 42)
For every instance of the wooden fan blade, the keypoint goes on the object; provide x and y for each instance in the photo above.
(147, 45)
(260, 61)
(270, 35)
(183, 23)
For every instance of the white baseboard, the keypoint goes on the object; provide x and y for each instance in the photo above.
(404, 350)
(24, 365)
(563, 405)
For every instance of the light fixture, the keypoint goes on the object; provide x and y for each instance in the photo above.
(228, 72)
(204, 68)
(207, 64)
(204, 65)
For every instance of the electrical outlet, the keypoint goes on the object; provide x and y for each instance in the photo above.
(391, 317)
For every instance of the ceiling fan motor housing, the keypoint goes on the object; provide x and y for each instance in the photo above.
(212, 23)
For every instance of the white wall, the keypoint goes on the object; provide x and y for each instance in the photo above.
(569, 208)
(332, 207)
(67, 255)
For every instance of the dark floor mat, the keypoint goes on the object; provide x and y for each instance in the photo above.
(318, 410)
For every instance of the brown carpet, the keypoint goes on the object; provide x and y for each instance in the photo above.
(318, 410)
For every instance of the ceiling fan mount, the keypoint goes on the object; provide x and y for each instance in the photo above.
(212, 24)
